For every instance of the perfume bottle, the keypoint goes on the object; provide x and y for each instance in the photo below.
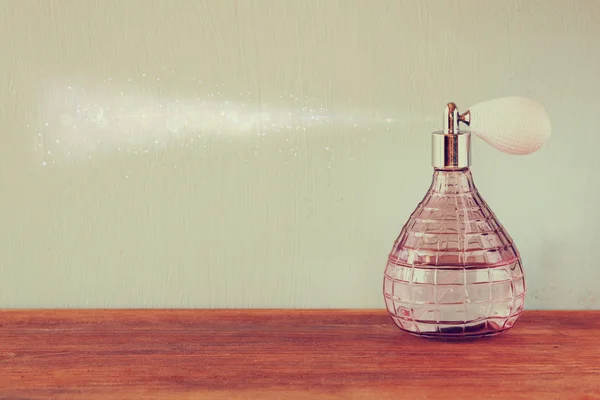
(454, 271)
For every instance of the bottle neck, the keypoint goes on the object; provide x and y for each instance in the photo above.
(448, 182)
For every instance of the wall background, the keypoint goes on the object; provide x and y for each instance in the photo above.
(266, 153)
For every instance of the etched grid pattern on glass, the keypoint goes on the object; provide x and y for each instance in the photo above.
(454, 271)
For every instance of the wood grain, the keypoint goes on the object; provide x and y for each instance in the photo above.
(291, 354)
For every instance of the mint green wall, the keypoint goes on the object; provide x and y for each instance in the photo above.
(183, 153)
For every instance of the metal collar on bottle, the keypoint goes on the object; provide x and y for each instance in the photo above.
(451, 148)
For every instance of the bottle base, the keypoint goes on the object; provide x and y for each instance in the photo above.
(445, 336)
(458, 331)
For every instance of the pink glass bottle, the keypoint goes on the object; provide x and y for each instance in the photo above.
(453, 272)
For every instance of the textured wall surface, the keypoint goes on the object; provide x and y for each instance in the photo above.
(266, 153)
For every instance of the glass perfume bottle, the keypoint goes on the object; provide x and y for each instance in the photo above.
(454, 271)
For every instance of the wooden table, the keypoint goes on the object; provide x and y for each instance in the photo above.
(288, 354)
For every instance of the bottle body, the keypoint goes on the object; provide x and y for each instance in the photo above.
(454, 272)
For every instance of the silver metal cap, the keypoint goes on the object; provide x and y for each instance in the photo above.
(450, 151)
(451, 148)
